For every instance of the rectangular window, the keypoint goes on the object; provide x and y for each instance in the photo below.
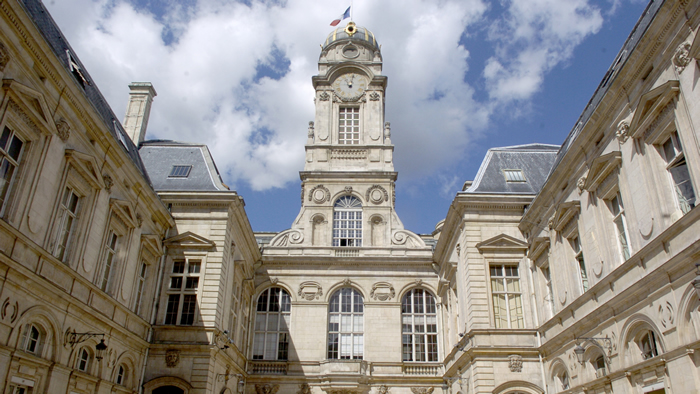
(66, 220)
(109, 259)
(10, 153)
(549, 296)
(140, 282)
(349, 126)
(347, 228)
(20, 389)
(180, 172)
(578, 255)
(505, 291)
(678, 171)
(618, 211)
(182, 292)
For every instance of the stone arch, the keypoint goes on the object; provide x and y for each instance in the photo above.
(556, 369)
(42, 316)
(518, 386)
(636, 326)
(345, 283)
(688, 315)
(128, 360)
(418, 284)
(89, 345)
(166, 381)
(264, 286)
(345, 192)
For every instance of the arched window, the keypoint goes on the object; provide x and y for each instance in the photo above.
(272, 325)
(122, 375)
(83, 362)
(32, 339)
(599, 366)
(347, 222)
(345, 325)
(419, 326)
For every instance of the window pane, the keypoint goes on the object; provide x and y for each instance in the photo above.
(171, 311)
(188, 308)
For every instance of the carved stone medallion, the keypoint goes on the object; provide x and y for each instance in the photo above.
(682, 57)
(319, 194)
(382, 291)
(304, 388)
(374, 96)
(267, 388)
(324, 96)
(310, 291)
(172, 358)
(422, 390)
(376, 194)
(622, 133)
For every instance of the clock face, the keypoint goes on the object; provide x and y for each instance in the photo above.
(350, 86)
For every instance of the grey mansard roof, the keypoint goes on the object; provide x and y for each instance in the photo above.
(60, 47)
(534, 160)
(160, 156)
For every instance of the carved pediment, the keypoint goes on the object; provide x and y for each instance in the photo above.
(502, 242)
(86, 166)
(652, 105)
(151, 244)
(124, 210)
(565, 212)
(189, 240)
(601, 167)
(31, 103)
(539, 245)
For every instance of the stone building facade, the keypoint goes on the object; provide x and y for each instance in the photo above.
(128, 266)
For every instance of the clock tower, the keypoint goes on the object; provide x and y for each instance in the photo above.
(348, 178)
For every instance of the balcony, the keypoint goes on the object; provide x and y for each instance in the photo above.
(268, 367)
(422, 369)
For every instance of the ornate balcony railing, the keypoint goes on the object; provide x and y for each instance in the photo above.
(422, 369)
(268, 367)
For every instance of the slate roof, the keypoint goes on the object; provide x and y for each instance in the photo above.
(535, 161)
(59, 45)
(159, 157)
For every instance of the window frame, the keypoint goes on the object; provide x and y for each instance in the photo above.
(355, 109)
(17, 162)
(617, 212)
(37, 343)
(349, 215)
(681, 201)
(272, 343)
(82, 363)
(579, 260)
(334, 348)
(517, 295)
(178, 298)
(408, 337)
(110, 257)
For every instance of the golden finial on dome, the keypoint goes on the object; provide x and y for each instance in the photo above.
(350, 28)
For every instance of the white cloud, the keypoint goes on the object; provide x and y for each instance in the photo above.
(209, 89)
(533, 37)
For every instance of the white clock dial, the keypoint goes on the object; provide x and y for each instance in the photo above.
(350, 86)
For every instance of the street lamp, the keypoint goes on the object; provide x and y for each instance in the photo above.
(74, 338)
(580, 350)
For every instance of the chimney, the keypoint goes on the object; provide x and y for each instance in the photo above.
(138, 110)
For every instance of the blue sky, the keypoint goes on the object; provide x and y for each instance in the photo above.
(464, 75)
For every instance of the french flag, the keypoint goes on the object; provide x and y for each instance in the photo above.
(345, 15)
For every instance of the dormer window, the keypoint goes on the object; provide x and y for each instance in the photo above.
(76, 70)
(514, 175)
(180, 172)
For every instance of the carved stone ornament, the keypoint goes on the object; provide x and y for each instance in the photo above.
(4, 56)
(347, 282)
(324, 96)
(515, 363)
(267, 388)
(459, 249)
(139, 219)
(422, 390)
(304, 388)
(376, 194)
(172, 358)
(623, 131)
(108, 182)
(288, 237)
(374, 96)
(348, 189)
(387, 130)
(319, 194)
(310, 291)
(383, 389)
(9, 309)
(393, 194)
(682, 57)
(302, 196)
(666, 313)
(382, 291)
(580, 183)
(311, 129)
(63, 129)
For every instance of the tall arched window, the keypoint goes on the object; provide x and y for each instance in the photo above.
(32, 339)
(347, 222)
(272, 325)
(419, 326)
(345, 325)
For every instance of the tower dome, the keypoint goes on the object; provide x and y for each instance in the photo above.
(352, 33)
